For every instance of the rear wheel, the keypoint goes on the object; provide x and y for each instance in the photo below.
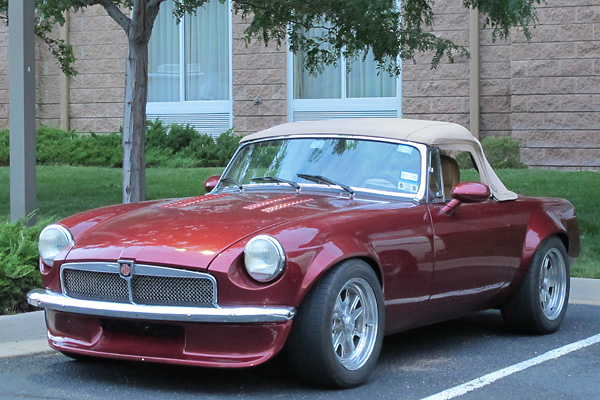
(338, 331)
(540, 303)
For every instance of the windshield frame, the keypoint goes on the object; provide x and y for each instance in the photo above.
(422, 148)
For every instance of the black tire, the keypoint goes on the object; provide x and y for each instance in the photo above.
(325, 331)
(540, 302)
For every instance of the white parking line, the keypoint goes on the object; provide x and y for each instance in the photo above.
(494, 376)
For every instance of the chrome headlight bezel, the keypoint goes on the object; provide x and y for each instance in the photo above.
(258, 267)
(52, 240)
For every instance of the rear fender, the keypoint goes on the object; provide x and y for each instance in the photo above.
(553, 219)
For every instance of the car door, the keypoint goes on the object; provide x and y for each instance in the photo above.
(476, 250)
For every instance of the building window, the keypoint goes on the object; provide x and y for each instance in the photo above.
(362, 81)
(189, 70)
(364, 91)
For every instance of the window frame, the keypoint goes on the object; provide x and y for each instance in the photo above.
(196, 106)
(344, 104)
(433, 173)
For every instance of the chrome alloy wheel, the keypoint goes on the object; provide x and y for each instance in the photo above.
(354, 324)
(553, 283)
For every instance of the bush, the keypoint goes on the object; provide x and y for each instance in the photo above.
(501, 152)
(182, 146)
(4, 150)
(18, 264)
(179, 146)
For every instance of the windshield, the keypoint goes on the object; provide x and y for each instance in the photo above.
(366, 165)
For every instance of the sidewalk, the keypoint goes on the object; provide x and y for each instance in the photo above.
(25, 334)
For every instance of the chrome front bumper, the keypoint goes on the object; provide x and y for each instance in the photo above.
(59, 302)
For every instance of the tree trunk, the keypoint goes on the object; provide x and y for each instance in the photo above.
(134, 123)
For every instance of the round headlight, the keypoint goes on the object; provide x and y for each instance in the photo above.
(264, 258)
(53, 239)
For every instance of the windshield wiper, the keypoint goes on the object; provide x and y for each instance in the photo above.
(322, 179)
(277, 180)
(239, 186)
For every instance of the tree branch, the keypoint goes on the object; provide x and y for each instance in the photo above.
(155, 3)
(112, 10)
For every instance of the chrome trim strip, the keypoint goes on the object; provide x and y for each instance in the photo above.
(58, 302)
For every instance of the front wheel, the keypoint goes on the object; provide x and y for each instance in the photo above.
(338, 331)
(540, 303)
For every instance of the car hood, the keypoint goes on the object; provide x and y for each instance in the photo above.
(191, 232)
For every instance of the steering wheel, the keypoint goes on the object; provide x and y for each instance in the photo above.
(379, 176)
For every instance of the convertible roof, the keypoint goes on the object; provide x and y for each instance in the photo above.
(446, 135)
(414, 130)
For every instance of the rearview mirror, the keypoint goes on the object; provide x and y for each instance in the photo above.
(211, 182)
(466, 192)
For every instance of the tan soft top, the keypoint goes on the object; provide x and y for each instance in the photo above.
(445, 135)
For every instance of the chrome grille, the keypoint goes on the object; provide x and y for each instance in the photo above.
(147, 285)
(173, 291)
(94, 285)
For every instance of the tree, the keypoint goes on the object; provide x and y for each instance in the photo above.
(393, 30)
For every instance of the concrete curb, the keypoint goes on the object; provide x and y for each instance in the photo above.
(25, 334)
(585, 291)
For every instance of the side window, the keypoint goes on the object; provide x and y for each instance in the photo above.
(455, 167)
(468, 168)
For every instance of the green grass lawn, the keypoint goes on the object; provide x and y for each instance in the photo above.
(581, 189)
(64, 190)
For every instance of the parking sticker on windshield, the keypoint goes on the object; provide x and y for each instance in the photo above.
(408, 182)
(409, 176)
(402, 148)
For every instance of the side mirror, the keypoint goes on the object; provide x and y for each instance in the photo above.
(211, 182)
(466, 192)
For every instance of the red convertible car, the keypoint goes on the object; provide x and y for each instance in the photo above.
(320, 237)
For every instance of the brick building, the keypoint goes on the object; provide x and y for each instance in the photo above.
(545, 93)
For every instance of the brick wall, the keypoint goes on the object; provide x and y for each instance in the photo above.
(545, 93)
(441, 93)
(259, 72)
(555, 87)
(98, 91)
(494, 84)
(47, 85)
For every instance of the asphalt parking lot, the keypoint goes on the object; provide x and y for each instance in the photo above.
(469, 358)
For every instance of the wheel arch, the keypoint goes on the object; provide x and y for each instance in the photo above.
(541, 226)
(552, 220)
(327, 260)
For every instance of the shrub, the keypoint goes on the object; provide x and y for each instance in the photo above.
(4, 150)
(227, 143)
(501, 152)
(104, 150)
(18, 264)
(182, 146)
(57, 147)
(170, 146)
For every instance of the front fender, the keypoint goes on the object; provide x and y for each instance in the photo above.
(306, 263)
(332, 253)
